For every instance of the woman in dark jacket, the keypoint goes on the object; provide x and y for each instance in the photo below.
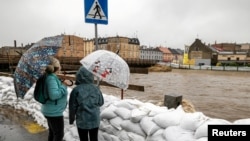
(84, 105)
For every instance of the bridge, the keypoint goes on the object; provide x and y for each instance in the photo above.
(9, 63)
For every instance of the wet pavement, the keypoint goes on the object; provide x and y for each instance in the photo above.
(17, 125)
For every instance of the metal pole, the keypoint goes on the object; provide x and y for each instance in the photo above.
(96, 48)
(96, 38)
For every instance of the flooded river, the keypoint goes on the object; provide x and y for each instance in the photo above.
(218, 94)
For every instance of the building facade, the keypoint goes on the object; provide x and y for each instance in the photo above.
(151, 54)
(72, 46)
(127, 48)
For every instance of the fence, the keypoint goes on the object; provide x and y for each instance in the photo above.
(206, 67)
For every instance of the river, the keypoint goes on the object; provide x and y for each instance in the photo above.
(217, 94)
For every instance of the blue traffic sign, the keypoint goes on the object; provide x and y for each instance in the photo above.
(96, 11)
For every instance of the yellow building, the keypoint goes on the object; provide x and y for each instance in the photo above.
(72, 46)
(227, 57)
(128, 47)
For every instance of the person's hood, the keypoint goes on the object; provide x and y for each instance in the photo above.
(84, 76)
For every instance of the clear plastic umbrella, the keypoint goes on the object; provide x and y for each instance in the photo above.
(109, 67)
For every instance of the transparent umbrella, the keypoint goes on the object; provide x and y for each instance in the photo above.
(109, 67)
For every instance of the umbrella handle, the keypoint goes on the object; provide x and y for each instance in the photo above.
(62, 80)
(71, 82)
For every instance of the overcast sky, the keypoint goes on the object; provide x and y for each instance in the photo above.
(168, 23)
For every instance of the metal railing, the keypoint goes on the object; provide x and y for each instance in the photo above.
(207, 67)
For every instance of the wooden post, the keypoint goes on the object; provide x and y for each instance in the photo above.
(121, 93)
(172, 100)
(10, 66)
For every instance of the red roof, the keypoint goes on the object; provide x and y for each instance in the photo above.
(164, 50)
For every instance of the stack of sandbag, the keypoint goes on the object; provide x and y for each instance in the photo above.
(126, 120)
(132, 120)
(8, 97)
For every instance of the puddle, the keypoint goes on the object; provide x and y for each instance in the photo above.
(11, 116)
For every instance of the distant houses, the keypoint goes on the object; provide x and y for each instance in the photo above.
(198, 53)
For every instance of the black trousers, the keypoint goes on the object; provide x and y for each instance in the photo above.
(56, 128)
(86, 134)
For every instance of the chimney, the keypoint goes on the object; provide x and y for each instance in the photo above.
(14, 43)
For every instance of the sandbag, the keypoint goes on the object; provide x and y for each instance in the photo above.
(166, 119)
(130, 126)
(148, 126)
(191, 121)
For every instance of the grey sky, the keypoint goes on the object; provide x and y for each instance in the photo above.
(169, 23)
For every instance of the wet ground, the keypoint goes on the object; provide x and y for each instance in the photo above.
(218, 94)
(16, 125)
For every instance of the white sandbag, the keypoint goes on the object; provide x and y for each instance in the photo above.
(166, 119)
(156, 138)
(191, 121)
(69, 137)
(203, 129)
(242, 121)
(116, 122)
(108, 100)
(130, 126)
(138, 114)
(135, 137)
(136, 103)
(176, 133)
(123, 135)
(100, 136)
(108, 113)
(125, 103)
(114, 138)
(106, 136)
(108, 128)
(74, 132)
(202, 139)
(122, 112)
(157, 110)
(148, 126)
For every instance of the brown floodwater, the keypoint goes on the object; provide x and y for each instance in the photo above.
(218, 94)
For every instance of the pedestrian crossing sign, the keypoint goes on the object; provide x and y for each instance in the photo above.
(96, 11)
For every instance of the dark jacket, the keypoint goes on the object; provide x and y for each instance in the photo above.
(85, 101)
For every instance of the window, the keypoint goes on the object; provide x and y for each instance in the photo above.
(196, 48)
